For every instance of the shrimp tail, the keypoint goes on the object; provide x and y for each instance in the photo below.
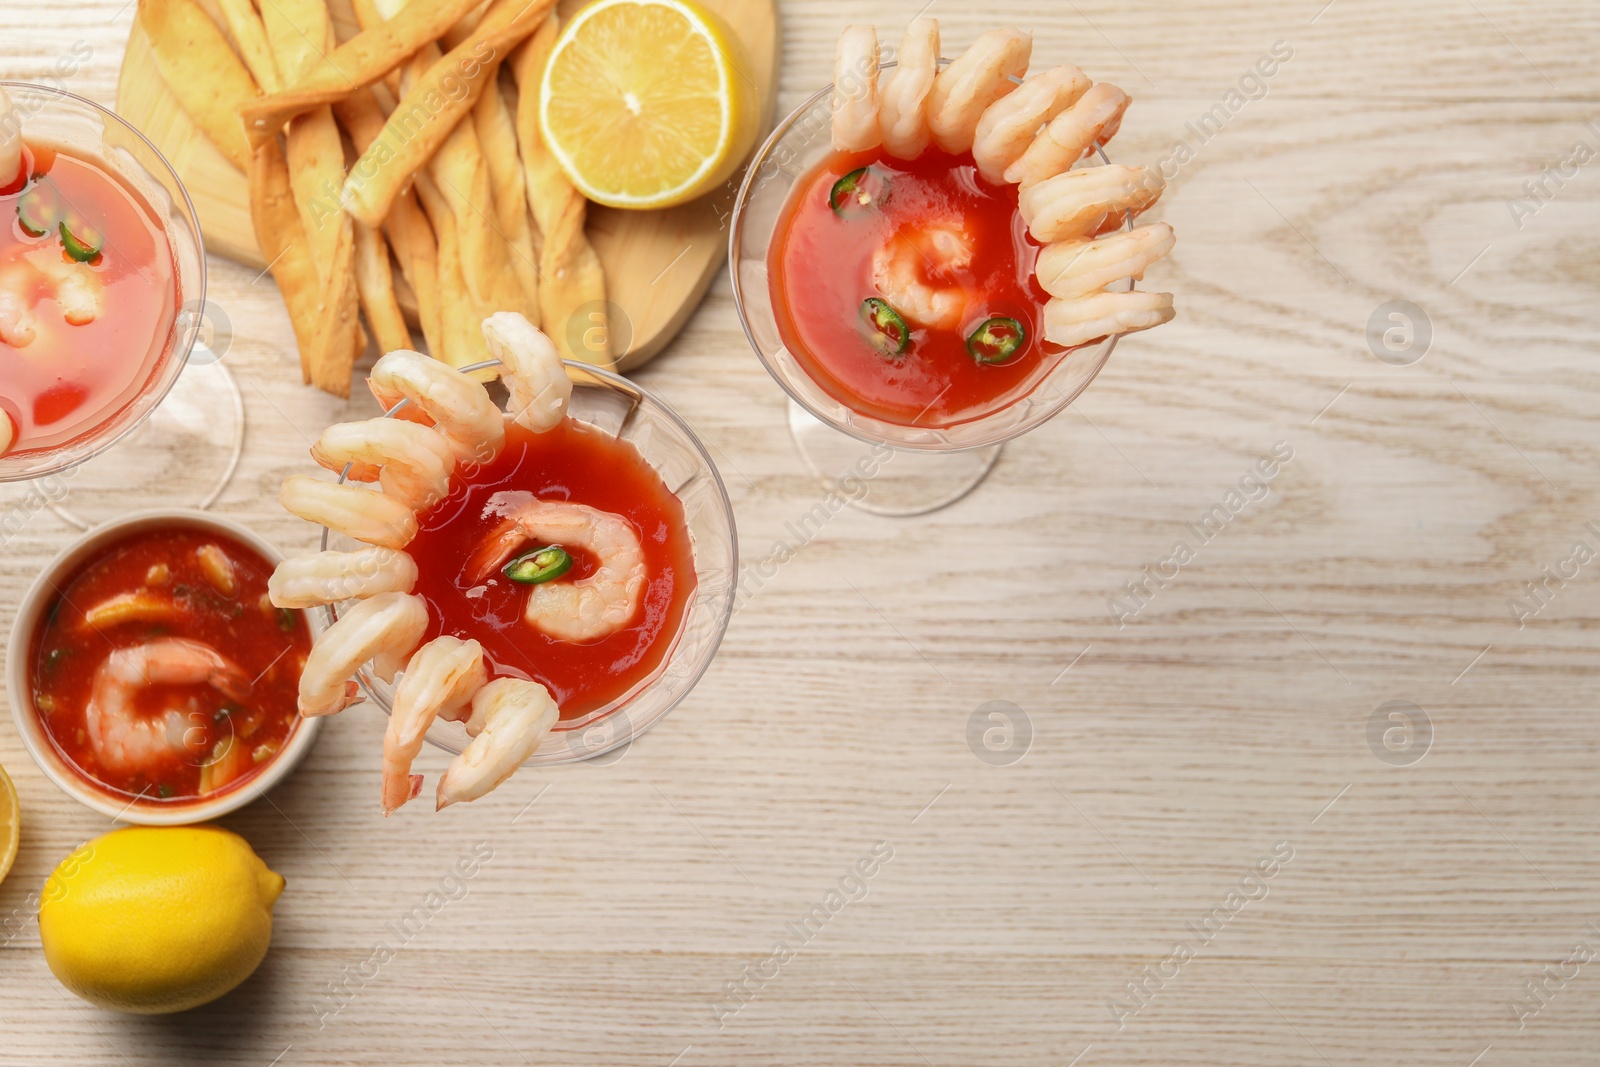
(495, 550)
(509, 719)
(231, 682)
(443, 675)
(394, 798)
(348, 697)
(855, 90)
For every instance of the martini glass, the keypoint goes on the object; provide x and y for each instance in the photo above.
(910, 470)
(179, 427)
(624, 410)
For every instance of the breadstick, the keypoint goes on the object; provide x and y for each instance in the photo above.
(418, 251)
(202, 71)
(497, 138)
(339, 336)
(245, 25)
(460, 327)
(570, 275)
(417, 128)
(469, 22)
(409, 232)
(357, 63)
(299, 31)
(375, 281)
(283, 243)
(474, 259)
(489, 283)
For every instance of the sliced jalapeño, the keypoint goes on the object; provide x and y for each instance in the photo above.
(541, 565)
(996, 339)
(886, 329)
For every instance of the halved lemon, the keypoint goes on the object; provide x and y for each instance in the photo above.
(647, 103)
(10, 823)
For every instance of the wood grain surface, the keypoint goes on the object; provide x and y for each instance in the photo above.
(1170, 760)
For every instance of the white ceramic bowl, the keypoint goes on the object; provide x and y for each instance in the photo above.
(37, 600)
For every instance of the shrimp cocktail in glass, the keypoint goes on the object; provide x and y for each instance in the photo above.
(100, 267)
(546, 581)
(942, 261)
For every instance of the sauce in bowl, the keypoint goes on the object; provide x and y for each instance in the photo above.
(160, 671)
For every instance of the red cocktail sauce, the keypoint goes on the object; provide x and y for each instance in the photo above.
(820, 263)
(177, 597)
(581, 464)
(70, 379)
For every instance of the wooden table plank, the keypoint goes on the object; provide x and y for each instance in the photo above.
(1169, 755)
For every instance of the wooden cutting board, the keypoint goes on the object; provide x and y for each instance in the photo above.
(658, 263)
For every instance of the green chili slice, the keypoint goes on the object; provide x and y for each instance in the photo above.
(541, 565)
(886, 330)
(858, 192)
(39, 210)
(82, 242)
(997, 339)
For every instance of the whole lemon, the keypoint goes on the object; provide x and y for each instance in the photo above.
(151, 919)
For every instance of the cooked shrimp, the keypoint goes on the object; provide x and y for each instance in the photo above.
(1081, 319)
(1093, 119)
(1009, 124)
(441, 678)
(459, 406)
(18, 327)
(903, 101)
(367, 516)
(855, 90)
(903, 266)
(10, 141)
(8, 432)
(412, 462)
(1087, 201)
(538, 383)
(1079, 268)
(383, 629)
(971, 82)
(42, 274)
(589, 608)
(509, 719)
(331, 577)
(123, 738)
(76, 288)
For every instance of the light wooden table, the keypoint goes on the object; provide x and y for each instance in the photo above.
(1168, 756)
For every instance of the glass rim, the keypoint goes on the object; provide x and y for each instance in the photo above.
(736, 228)
(618, 383)
(183, 346)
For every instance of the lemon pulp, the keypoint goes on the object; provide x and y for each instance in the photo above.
(10, 823)
(645, 103)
